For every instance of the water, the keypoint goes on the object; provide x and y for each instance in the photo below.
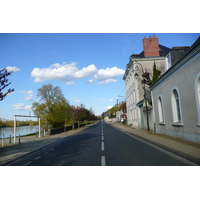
(22, 130)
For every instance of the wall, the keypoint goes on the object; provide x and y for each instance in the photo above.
(133, 84)
(184, 80)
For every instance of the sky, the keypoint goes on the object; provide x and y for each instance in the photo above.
(88, 67)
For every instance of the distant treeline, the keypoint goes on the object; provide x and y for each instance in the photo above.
(10, 123)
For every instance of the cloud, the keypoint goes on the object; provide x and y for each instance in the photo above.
(110, 80)
(107, 108)
(26, 92)
(21, 106)
(86, 72)
(108, 73)
(76, 100)
(70, 83)
(99, 99)
(62, 72)
(13, 69)
(30, 97)
(91, 81)
(68, 72)
(110, 100)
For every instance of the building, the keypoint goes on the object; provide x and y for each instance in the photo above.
(142, 65)
(121, 113)
(174, 55)
(176, 97)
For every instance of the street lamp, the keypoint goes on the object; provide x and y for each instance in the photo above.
(136, 76)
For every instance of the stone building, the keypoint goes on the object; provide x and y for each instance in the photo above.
(142, 65)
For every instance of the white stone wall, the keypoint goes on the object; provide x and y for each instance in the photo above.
(183, 79)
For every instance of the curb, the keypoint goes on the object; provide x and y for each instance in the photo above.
(178, 153)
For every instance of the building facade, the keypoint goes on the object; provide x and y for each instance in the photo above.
(176, 97)
(142, 65)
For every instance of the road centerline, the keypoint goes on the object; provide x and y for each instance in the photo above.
(102, 146)
(103, 161)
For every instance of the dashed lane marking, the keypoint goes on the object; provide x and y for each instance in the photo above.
(28, 163)
(46, 153)
(103, 161)
(38, 157)
(102, 146)
(102, 138)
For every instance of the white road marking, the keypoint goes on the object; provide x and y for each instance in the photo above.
(46, 153)
(102, 146)
(38, 157)
(103, 161)
(102, 138)
(28, 163)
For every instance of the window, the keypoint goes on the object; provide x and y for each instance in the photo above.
(169, 61)
(197, 94)
(135, 113)
(160, 110)
(134, 96)
(176, 107)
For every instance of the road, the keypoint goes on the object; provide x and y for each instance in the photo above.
(101, 145)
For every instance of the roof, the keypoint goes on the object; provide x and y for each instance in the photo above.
(177, 65)
(163, 52)
(180, 48)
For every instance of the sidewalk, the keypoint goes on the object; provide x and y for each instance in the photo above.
(28, 144)
(183, 148)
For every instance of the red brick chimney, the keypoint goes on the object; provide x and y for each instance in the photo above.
(151, 46)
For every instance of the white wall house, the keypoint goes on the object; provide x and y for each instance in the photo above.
(176, 97)
(152, 53)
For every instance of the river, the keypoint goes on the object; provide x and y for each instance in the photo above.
(22, 130)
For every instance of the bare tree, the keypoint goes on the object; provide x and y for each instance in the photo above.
(4, 83)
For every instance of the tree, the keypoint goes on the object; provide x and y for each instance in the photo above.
(4, 83)
(54, 109)
(156, 73)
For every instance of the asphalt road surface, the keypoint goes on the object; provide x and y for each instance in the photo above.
(101, 145)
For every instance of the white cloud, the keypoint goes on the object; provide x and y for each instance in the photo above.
(99, 99)
(90, 81)
(107, 108)
(108, 73)
(26, 92)
(86, 72)
(30, 97)
(110, 100)
(76, 101)
(110, 80)
(68, 72)
(21, 106)
(14, 69)
(70, 83)
(56, 71)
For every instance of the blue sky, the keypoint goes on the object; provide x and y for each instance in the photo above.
(88, 67)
